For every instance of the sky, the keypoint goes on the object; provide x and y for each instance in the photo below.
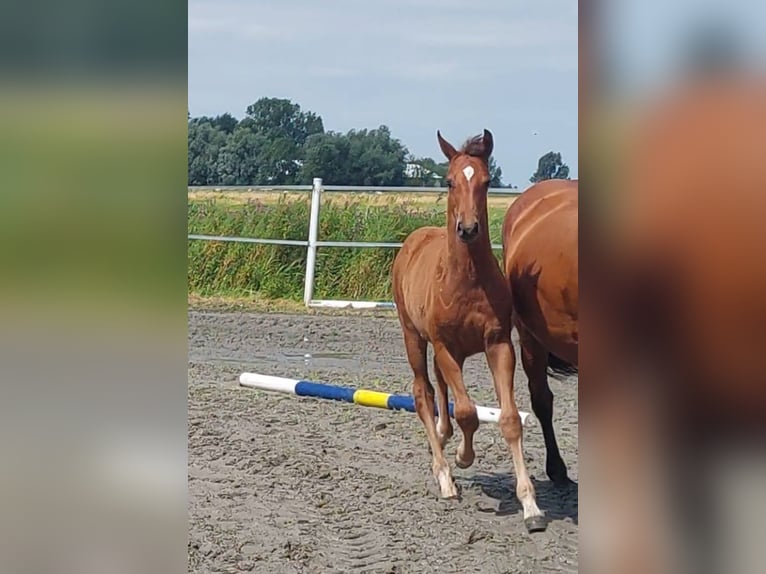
(648, 41)
(509, 66)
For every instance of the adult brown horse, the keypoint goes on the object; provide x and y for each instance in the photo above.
(541, 266)
(674, 394)
(449, 291)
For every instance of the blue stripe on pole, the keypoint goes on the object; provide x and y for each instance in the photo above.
(310, 389)
(407, 403)
(346, 395)
(401, 403)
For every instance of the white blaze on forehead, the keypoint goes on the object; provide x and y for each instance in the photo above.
(468, 172)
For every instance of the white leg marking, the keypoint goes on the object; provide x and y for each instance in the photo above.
(446, 483)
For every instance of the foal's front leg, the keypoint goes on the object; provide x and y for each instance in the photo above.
(502, 362)
(424, 405)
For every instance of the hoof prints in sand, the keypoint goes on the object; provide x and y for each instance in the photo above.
(280, 484)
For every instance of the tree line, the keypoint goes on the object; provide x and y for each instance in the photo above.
(277, 143)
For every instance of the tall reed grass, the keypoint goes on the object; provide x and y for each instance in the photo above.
(270, 271)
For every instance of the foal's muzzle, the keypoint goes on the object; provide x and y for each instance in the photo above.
(467, 233)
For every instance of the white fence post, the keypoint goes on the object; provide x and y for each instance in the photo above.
(311, 253)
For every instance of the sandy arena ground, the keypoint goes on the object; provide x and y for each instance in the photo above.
(281, 484)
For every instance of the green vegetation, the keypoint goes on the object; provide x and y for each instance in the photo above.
(278, 143)
(220, 269)
(550, 166)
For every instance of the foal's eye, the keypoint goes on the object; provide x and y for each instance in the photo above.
(450, 183)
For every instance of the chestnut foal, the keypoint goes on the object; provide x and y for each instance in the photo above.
(449, 291)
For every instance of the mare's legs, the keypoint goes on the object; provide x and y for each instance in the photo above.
(534, 358)
(424, 405)
(502, 362)
(465, 410)
(444, 426)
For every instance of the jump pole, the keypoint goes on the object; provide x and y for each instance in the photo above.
(361, 397)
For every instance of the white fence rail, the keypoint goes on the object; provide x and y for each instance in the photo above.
(312, 243)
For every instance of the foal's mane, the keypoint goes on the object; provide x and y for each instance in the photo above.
(474, 146)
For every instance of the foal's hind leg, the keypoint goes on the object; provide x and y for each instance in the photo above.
(444, 426)
(424, 405)
(534, 358)
(465, 409)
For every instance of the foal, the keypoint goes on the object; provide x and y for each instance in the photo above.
(449, 291)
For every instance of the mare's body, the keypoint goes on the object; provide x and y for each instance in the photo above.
(450, 292)
(541, 267)
(676, 325)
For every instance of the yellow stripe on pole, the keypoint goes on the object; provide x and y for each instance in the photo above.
(371, 398)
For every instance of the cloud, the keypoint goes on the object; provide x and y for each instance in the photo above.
(330, 72)
(548, 34)
(214, 27)
(411, 64)
(427, 71)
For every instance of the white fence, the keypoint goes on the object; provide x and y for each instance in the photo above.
(312, 243)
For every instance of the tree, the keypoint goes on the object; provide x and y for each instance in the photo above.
(360, 157)
(550, 166)
(327, 156)
(495, 174)
(377, 158)
(239, 160)
(204, 144)
(280, 129)
(282, 119)
(225, 122)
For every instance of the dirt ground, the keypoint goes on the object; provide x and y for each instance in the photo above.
(281, 484)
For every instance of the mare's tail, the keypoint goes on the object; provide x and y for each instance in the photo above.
(559, 368)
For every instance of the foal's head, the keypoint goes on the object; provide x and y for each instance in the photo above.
(468, 181)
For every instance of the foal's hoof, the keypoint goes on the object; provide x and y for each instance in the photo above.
(450, 493)
(447, 487)
(535, 524)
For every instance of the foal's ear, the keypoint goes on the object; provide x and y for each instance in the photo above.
(447, 149)
(489, 144)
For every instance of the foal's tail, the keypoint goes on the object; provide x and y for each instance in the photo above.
(558, 367)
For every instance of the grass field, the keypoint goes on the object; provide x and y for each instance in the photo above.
(367, 198)
(217, 269)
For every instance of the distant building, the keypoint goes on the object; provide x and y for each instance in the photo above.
(416, 174)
